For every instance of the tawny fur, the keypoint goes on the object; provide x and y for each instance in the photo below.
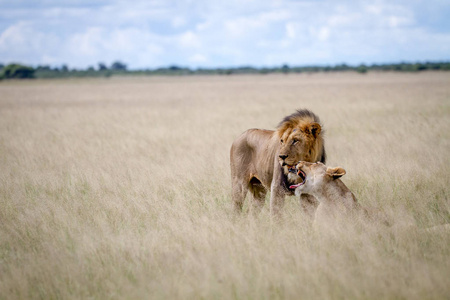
(336, 200)
(334, 197)
(260, 160)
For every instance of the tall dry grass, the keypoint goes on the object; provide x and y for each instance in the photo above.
(120, 189)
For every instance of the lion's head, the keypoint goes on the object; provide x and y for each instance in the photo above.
(301, 139)
(313, 177)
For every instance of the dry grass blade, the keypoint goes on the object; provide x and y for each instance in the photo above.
(120, 188)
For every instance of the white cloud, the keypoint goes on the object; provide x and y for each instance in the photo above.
(88, 43)
(101, 44)
(21, 41)
(290, 30)
(343, 20)
(396, 21)
(15, 36)
(374, 9)
(274, 16)
(198, 58)
(155, 33)
(240, 27)
(190, 40)
(323, 34)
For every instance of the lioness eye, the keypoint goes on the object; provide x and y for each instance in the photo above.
(281, 141)
(294, 142)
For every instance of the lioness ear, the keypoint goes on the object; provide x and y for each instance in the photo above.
(335, 172)
(315, 129)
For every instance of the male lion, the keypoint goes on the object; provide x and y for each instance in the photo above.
(260, 160)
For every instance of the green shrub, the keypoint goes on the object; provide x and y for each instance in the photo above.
(12, 71)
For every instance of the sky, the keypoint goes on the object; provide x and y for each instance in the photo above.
(228, 33)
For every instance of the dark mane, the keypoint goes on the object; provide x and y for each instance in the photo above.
(298, 115)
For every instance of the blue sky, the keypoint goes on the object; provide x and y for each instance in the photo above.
(154, 33)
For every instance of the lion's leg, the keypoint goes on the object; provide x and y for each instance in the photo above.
(239, 191)
(258, 197)
(277, 193)
(276, 200)
(276, 204)
(308, 204)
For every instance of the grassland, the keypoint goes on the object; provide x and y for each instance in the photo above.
(119, 189)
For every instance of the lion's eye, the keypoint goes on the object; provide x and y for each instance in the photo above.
(294, 142)
(281, 141)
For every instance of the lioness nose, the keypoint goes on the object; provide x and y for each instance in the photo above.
(283, 157)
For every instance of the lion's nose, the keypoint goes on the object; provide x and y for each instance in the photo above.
(283, 157)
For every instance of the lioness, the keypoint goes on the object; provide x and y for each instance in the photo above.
(260, 160)
(334, 197)
(336, 201)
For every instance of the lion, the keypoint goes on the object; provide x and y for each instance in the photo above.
(337, 203)
(334, 197)
(260, 160)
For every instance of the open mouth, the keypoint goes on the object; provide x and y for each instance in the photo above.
(302, 175)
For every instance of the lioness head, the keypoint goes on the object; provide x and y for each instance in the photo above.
(301, 139)
(313, 176)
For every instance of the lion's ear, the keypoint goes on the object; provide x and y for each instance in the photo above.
(336, 172)
(314, 129)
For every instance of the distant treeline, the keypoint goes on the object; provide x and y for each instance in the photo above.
(19, 71)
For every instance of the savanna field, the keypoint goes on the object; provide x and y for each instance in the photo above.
(120, 188)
